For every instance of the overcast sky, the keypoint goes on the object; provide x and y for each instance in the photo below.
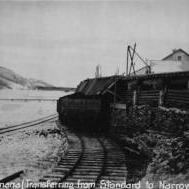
(61, 42)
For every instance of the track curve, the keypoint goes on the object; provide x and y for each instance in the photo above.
(91, 162)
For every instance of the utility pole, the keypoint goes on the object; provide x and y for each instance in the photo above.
(127, 66)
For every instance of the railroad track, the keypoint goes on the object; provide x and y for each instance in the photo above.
(12, 129)
(91, 162)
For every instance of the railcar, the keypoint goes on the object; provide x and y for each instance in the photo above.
(89, 113)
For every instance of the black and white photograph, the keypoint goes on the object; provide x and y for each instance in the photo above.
(94, 94)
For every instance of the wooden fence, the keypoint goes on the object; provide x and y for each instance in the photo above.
(177, 98)
(169, 98)
(148, 97)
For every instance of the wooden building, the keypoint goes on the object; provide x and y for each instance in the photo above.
(178, 55)
(94, 98)
(177, 61)
(165, 89)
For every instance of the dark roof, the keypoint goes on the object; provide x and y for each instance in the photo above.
(99, 86)
(96, 86)
(175, 51)
(170, 75)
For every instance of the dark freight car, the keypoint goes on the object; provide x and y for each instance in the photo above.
(89, 107)
(83, 112)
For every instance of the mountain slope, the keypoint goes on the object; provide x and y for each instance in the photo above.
(12, 80)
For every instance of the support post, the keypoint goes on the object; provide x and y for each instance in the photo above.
(134, 98)
(161, 98)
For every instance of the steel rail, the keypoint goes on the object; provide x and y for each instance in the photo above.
(27, 124)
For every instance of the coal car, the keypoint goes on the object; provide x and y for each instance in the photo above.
(89, 107)
(82, 112)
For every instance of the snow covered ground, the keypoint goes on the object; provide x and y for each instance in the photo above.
(28, 150)
(34, 150)
(14, 112)
(17, 112)
(30, 94)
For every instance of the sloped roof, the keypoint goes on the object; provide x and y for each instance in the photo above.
(175, 51)
(96, 86)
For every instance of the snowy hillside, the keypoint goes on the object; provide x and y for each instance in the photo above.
(12, 80)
